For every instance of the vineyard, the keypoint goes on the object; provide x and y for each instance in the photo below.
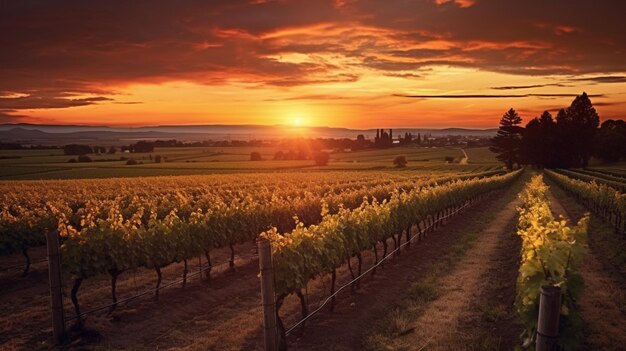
(124, 241)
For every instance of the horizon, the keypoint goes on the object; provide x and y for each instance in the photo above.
(18, 124)
(340, 64)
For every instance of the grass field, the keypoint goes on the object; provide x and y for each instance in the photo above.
(52, 164)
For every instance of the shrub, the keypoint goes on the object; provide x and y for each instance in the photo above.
(131, 162)
(72, 160)
(279, 155)
(321, 158)
(84, 158)
(400, 161)
(77, 149)
(157, 159)
(255, 156)
(449, 159)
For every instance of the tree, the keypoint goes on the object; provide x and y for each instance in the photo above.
(610, 140)
(112, 150)
(255, 156)
(321, 158)
(158, 159)
(77, 149)
(84, 158)
(539, 142)
(279, 155)
(577, 127)
(400, 161)
(506, 144)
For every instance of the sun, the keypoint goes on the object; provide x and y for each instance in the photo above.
(297, 122)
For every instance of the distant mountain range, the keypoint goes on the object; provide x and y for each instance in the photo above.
(63, 134)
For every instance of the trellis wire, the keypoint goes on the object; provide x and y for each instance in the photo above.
(329, 298)
(151, 291)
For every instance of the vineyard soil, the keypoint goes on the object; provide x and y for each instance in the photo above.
(463, 313)
(603, 303)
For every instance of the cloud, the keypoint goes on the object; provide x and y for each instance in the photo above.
(601, 79)
(531, 86)
(489, 96)
(310, 97)
(10, 116)
(41, 101)
(70, 47)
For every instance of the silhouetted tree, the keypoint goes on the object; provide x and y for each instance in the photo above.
(577, 126)
(610, 141)
(84, 158)
(506, 144)
(539, 143)
(77, 149)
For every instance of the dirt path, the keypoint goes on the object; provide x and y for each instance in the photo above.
(440, 324)
(603, 303)
(356, 314)
(465, 159)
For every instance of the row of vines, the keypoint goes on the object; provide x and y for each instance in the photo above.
(602, 199)
(551, 251)
(308, 252)
(111, 231)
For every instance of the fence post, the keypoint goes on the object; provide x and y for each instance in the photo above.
(56, 288)
(549, 314)
(270, 330)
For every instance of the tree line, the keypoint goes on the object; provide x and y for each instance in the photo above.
(567, 141)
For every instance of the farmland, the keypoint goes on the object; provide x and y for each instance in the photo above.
(171, 261)
(52, 164)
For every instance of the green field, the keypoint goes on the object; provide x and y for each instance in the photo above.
(52, 164)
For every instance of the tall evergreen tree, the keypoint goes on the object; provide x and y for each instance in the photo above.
(610, 141)
(539, 141)
(577, 127)
(506, 144)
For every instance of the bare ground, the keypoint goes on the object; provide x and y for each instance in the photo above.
(225, 314)
(443, 324)
(603, 302)
(345, 329)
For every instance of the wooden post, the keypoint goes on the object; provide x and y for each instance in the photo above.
(56, 289)
(270, 331)
(549, 314)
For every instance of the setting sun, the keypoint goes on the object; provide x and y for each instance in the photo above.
(297, 122)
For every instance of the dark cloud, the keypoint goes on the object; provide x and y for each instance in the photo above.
(532, 86)
(490, 96)
(61, 47)
(10, 116)
(602, 79)
(310, 97)
(46, 101)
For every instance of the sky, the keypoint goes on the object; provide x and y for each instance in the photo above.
(338, 63)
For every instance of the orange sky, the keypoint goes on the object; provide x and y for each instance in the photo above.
(358, 64)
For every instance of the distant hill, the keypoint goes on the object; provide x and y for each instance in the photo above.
(63, 134)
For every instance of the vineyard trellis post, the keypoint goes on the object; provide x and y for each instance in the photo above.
(548, 322)
(270, 328)
(56, 288)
